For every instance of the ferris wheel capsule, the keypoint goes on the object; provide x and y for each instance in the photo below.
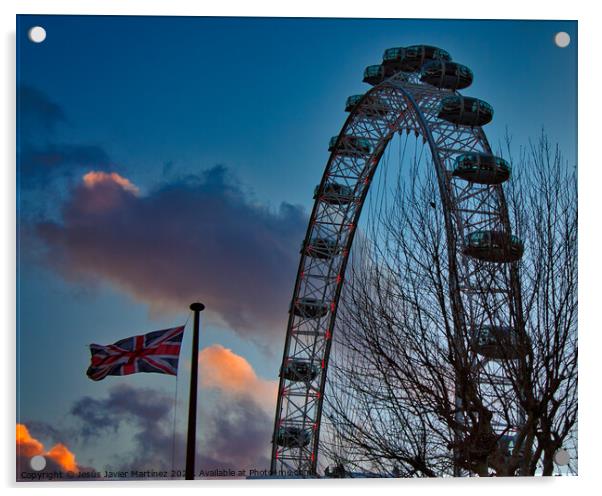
(297, 369)
(350, 146)
(334, 193)
(310, 308)
(446, 74)
(411, 59)
(374, 74)
(481, 168)
(498, 343)
(494, 246)
(293, 436)
(352, 102)
(372, 105)
(322, 248)
(507, 443)
(465, 111)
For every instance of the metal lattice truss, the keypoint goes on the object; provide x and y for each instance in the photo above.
(480, 291)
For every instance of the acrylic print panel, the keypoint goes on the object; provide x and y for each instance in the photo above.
(283, 248)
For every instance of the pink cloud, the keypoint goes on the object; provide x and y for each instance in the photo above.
(196, 238)
(94, 178)
(224, 370)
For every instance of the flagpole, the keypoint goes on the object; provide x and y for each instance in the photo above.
(197, 308)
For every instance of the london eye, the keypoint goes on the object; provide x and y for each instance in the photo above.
(414, 93)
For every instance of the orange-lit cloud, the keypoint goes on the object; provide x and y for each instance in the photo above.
(28, 446)
(94, 178)
(61, 455)
(222, 369)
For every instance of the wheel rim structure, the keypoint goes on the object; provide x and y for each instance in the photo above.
(480, 292)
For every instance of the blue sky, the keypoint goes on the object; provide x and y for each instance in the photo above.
(163, 100)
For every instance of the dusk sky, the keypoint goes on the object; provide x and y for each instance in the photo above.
(163, 160)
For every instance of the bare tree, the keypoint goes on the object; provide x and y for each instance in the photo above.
(409, 395)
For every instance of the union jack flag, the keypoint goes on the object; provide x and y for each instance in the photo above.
(153, 352)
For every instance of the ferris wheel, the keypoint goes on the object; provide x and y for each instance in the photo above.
(414, 91)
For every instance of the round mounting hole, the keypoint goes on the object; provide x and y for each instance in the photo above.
(561, 457)
(562, 39)
(37, 463)
(37, 34)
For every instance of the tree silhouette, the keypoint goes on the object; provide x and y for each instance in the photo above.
(410, 392)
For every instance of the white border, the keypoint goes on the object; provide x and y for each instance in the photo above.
(590, 180)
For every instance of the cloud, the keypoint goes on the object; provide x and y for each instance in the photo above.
(233, 429)
(230, 373)
(39, 164)
(37, 112)
(27, 445)
(95, 178)
(41, 158)
(189, 239)
(234, 433)
(239, 434)
(47, 431)
(58, 458)
(60, 454)
(143, 407)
